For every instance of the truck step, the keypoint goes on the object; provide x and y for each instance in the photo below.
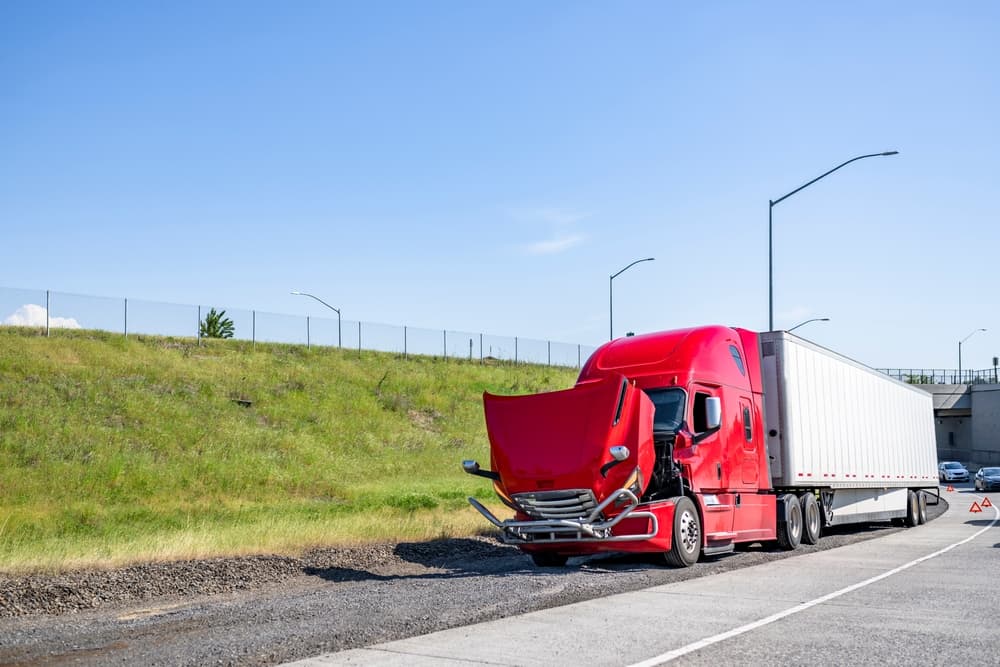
(718, 548)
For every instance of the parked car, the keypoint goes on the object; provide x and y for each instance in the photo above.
(952, 471)
(988, 479)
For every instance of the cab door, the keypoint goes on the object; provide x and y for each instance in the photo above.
(749, 474)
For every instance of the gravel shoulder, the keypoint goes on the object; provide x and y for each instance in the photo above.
(264, 610)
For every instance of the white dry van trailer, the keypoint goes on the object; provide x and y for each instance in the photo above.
(861, 440)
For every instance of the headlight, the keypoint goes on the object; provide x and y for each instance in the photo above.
(634, 482)
(504, 498)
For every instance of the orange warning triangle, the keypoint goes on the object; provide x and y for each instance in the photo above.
(950, 488)
(975, 507)
(987, 503)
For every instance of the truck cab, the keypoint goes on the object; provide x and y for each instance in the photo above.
(658, 447)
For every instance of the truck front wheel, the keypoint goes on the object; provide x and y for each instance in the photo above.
(790, 528)
(685, 542)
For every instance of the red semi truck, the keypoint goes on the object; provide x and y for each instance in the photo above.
(690, 442)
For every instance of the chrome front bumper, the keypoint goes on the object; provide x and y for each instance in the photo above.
(592, 528)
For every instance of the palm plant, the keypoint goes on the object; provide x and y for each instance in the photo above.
(216, 325)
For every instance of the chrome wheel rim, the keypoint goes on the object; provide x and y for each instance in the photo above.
(689, 533)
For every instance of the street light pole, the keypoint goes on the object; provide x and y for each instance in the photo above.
(611, 295)
(336, 310)
(770, 233)
(815, 319)
(960, 352)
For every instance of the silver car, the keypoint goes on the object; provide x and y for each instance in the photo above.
(952, 471)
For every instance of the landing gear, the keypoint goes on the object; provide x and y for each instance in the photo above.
(789, 528)
(810, 518)
(685, 543)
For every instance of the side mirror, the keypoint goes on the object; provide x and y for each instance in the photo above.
(713, 410)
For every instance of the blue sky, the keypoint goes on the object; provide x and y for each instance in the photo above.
(487, 166)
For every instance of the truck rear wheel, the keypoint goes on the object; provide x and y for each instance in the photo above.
(912, 509)
(922, 503)
(685, 541)
(548, 559)
(810, 518)
(790, 529)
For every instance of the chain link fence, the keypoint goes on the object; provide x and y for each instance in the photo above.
(53, 311)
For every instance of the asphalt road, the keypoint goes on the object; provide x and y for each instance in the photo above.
(287, 610)
(924, 596)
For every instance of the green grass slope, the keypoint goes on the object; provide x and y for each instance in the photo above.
(116, 450)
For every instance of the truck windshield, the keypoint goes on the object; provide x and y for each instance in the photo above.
(669, 408)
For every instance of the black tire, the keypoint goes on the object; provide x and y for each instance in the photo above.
(548, 559)
(810, 518)
(912, 509)
(921, 507)
(790, 530)
(685, 540)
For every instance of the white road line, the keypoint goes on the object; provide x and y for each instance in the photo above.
(715, 639)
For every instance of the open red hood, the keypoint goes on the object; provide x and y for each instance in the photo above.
(561, 439)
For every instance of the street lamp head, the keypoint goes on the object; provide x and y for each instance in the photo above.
(299, 293)
(814, 319)
(890, 153)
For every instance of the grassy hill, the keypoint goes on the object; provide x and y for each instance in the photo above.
(115, 450)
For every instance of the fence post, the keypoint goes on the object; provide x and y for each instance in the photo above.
(359, 339)
(445, 332)
(308, 341)
(578, 355)
(480, 348)
(470, 350)
(515, 350)
(550, 352)
(253, 329)
(47, 313)
(199, 326)
(126, 317)
(404, 341)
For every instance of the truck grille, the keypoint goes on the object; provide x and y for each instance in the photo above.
(566, 504)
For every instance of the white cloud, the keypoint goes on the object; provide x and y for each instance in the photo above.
(560, 223)
(554, 246)
(33, 315)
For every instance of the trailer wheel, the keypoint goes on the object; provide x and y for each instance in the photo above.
(790, 529)
(810, 518)
(685, 542)
(922, 504)
(912, 509)
(548, 559)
